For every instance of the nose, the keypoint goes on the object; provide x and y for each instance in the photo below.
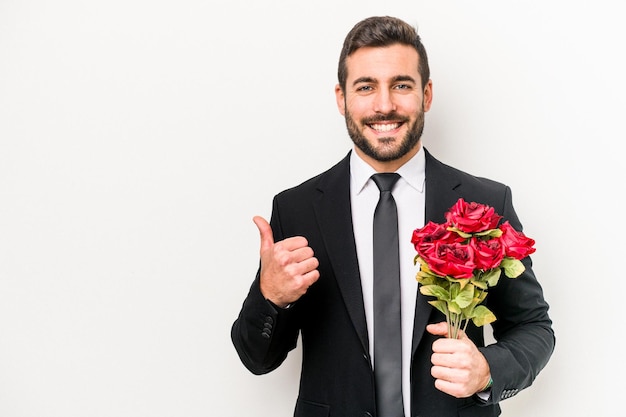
(383, 102)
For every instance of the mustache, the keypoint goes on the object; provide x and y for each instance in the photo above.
(388, 117)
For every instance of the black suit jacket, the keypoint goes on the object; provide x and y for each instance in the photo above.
(337, 378)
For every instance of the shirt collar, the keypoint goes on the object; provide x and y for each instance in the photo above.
(413, 171)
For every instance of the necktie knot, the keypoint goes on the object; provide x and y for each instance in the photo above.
(386, 180)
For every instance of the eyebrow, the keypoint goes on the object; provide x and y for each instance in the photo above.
(394, 79)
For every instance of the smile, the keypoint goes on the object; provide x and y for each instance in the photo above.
(384, 127)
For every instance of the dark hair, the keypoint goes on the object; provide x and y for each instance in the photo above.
(380, 31)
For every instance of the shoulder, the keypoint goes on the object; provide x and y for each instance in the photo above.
(437, 171)
(294, 210)
(445, 184)
(337, 174)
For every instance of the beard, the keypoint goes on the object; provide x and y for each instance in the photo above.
(386, 153)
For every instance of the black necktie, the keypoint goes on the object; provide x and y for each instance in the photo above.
(387, 324)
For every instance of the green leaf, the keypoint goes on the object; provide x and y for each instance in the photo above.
(492, 276)
(425, 279)
(465, 297)
(440, 305)
(423, 264)
(468, 310)
(479, 283)
(436, 291)
(455, 289)
(454, 307)
(489, 233)
(425, 276)
(463, 281)
(459, 232)
(480, 296)
(513, 268)
(460, 282)
(482, 315)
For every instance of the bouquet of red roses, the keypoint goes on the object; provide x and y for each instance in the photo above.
(463, 257)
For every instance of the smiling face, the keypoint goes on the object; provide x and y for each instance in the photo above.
(384, 104)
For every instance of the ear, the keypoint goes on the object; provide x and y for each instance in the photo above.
(341, 100)
(428, 95)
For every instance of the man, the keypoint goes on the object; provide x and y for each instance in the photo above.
(316, 272)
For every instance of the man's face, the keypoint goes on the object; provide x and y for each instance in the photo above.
(384, 104)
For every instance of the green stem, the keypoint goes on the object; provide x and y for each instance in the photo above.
(454, 325)
(465, 325)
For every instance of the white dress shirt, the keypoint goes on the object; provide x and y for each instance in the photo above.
(409, 194)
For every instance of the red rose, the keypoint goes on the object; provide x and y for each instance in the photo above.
(430, 233)
(451, 259)
(425, 239)
(516, 244)
(472, 217)
(487, 253)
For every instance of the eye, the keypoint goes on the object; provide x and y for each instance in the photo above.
(403, 87)
(364, 88)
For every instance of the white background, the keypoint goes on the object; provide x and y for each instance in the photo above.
(138, 138)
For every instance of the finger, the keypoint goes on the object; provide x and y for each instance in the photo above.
(267, 237)
(438, 329)
(293, 244)
(300, 270)
(451, 388)
(310, 278)
(309, 267)
(302, 254)
(443, 372)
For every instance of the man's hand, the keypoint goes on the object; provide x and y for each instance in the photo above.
(288, 267)
(459, 368)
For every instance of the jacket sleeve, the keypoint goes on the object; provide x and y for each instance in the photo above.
(263, 333)
(523, 329)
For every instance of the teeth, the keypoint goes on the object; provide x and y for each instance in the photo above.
(385, 127)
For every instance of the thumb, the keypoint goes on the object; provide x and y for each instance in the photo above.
(267, 237)
(438, 329)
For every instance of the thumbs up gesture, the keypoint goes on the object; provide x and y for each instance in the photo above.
(288, 267)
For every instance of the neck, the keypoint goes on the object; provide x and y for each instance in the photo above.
(388, 166)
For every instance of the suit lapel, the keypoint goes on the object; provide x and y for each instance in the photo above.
(334, 217)
(440, 196)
